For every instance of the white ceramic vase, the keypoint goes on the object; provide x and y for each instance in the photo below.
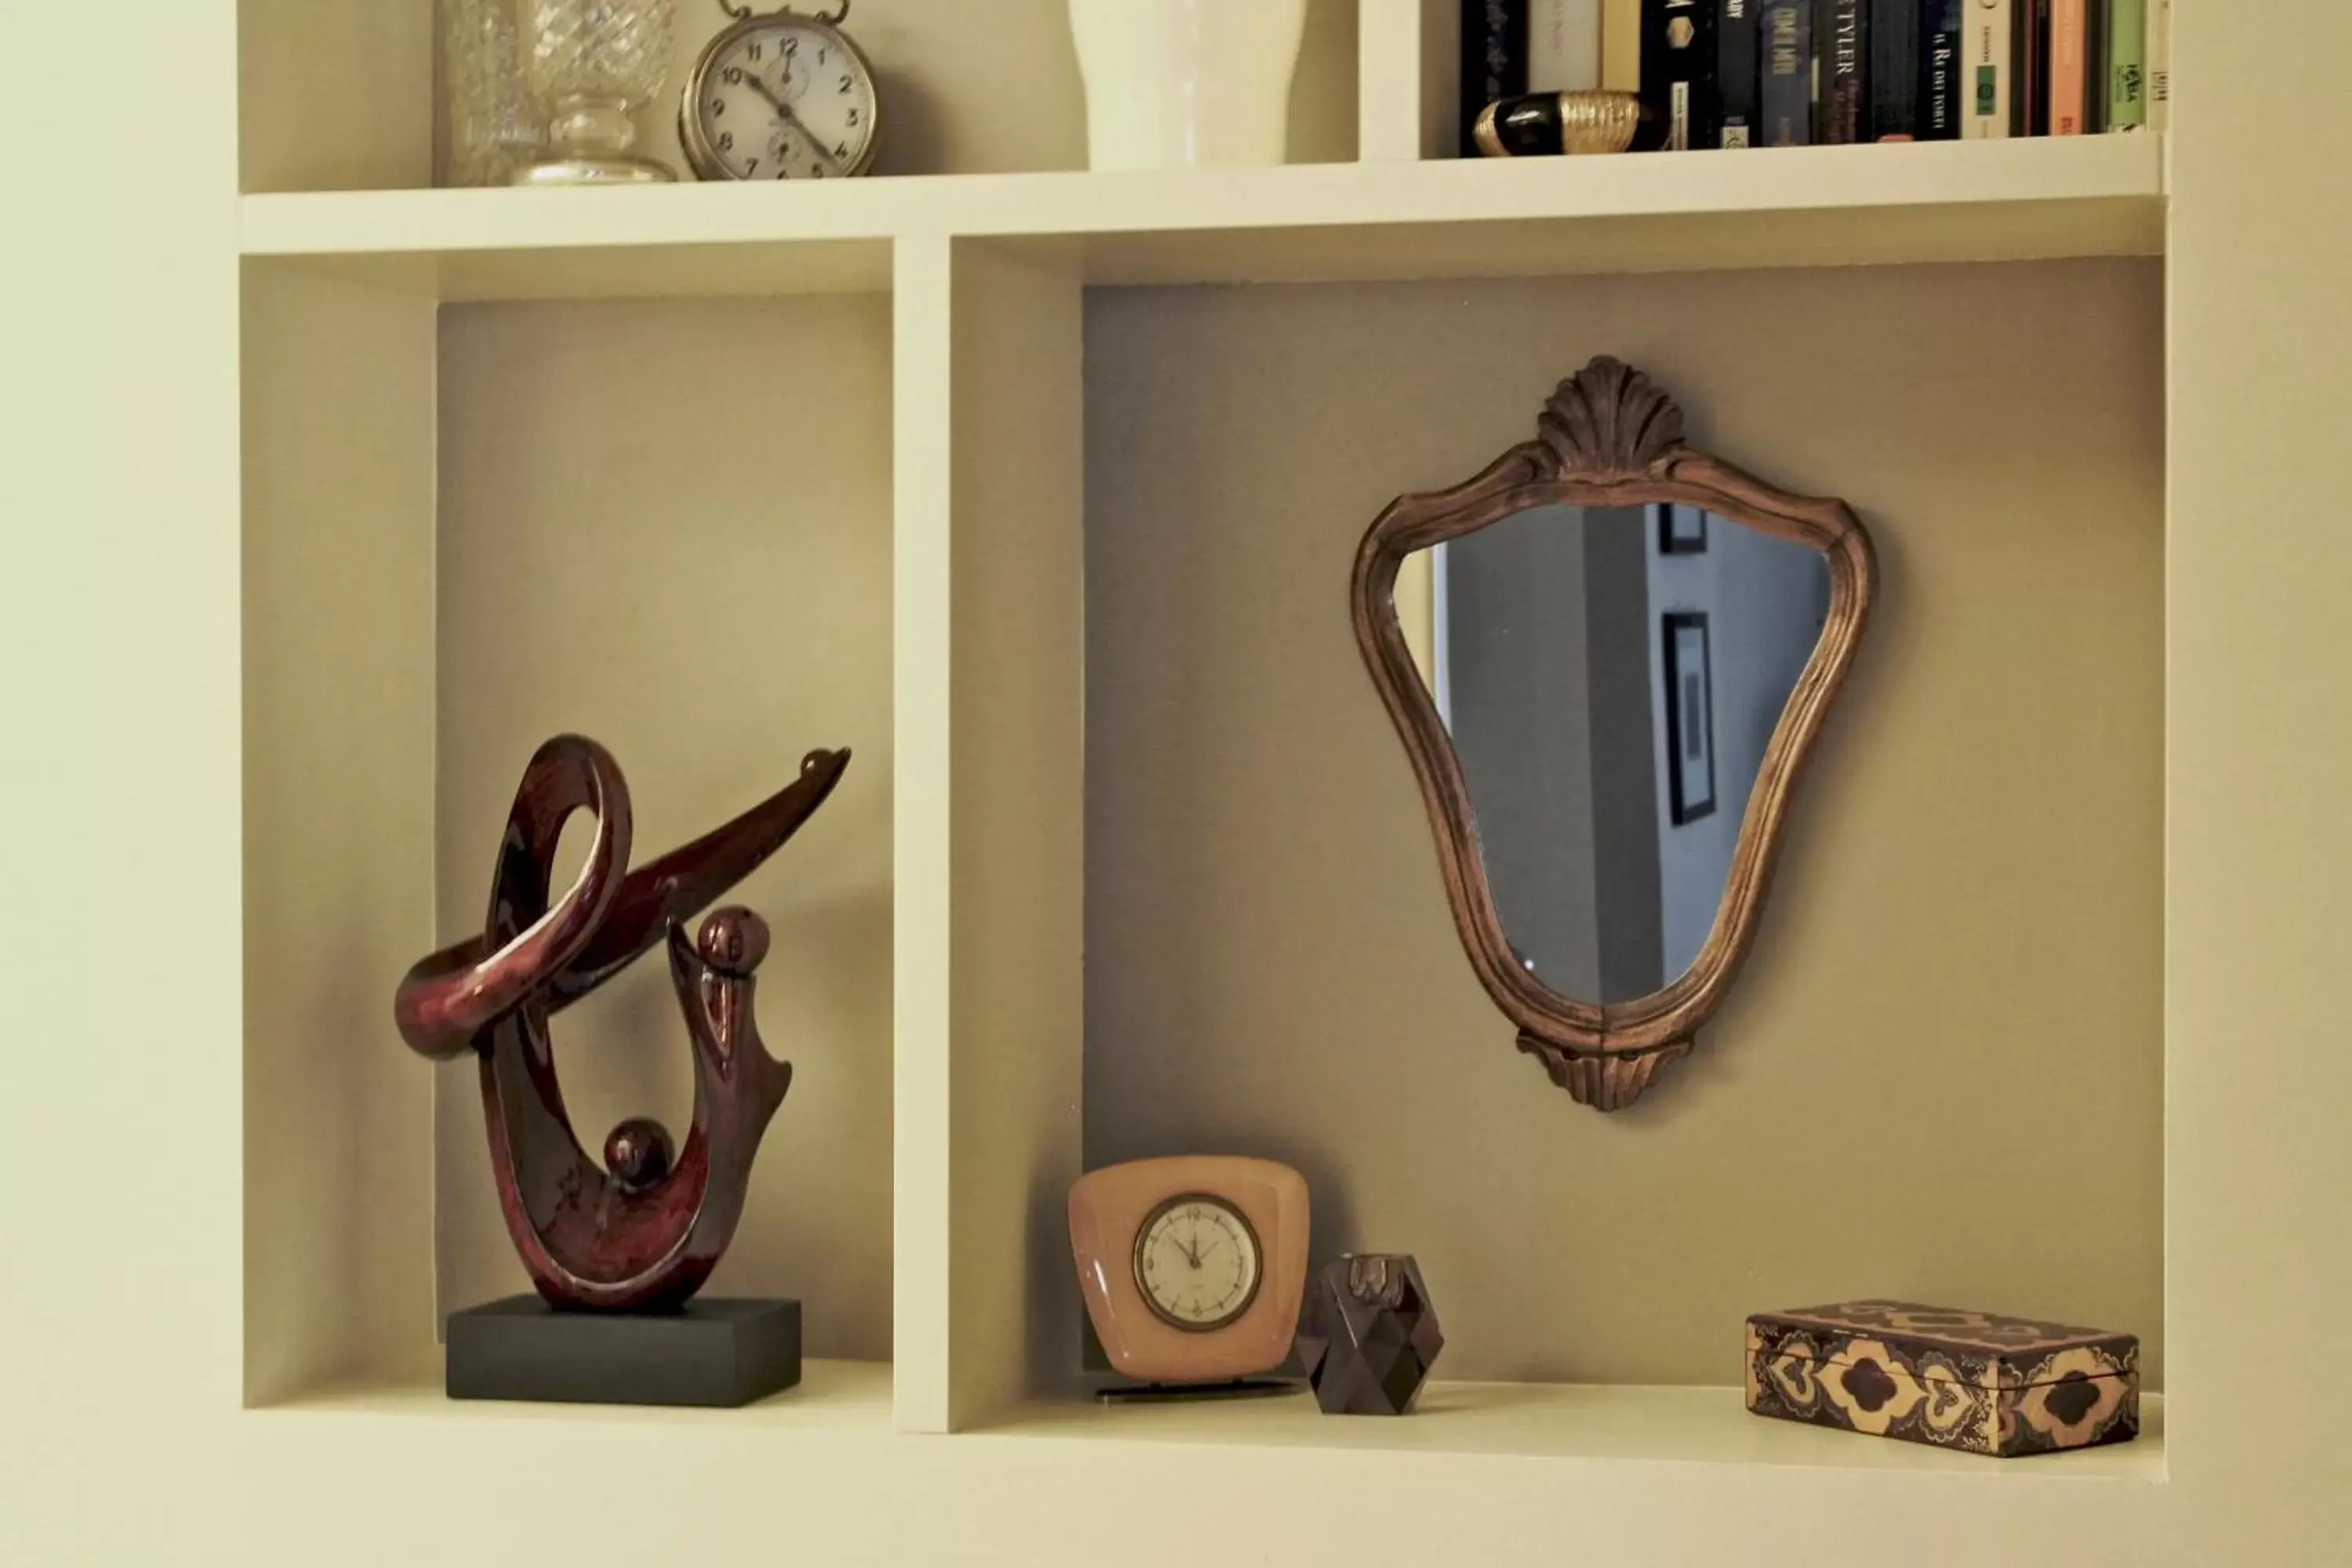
(1179, 83)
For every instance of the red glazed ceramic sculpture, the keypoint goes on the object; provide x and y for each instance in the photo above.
(643, 1232)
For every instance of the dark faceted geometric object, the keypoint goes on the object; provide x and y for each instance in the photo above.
(713, 1354)
(1371, 1336)
(643, 1233)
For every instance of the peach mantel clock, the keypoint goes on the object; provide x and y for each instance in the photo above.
(1193, 1269)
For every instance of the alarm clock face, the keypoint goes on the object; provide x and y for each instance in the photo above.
(779, 98)
(1197, 1262)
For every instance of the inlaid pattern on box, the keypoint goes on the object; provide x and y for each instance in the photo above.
(1950, 1377)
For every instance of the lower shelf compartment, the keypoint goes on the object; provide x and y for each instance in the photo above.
(1556, 1421)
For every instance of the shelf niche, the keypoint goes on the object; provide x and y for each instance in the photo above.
(1941, 1074)
(663, 524)
(965, 89)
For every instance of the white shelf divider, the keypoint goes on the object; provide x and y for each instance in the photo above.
(990, 902)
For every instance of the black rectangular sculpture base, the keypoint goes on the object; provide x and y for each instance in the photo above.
(718, 1354)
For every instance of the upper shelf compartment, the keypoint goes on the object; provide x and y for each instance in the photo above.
(340, 95)
(1974, 201)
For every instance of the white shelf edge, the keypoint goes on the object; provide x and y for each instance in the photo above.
(1556, 1423)
(1084, 205)
(832, 1397)
(1551, 1423)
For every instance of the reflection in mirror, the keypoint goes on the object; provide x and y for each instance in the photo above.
(1610, 678)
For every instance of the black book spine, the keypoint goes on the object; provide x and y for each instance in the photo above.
(2096, 115)
(1787, 63)
(1895, 70)
(1493, 60)
(2029, 100)
(1841, 46)
(1738, 75)
(1939, 71)
(1678, 67)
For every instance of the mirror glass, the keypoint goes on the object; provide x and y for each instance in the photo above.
(1610, 678)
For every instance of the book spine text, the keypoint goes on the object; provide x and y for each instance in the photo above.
(1563, 46)
(1985, 69)
(1787, 45)
(1678, 67)
(2127, 65)
(1841, 43)
(1939, 72)
(1739, 74)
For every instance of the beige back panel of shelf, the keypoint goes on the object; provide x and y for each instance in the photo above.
(668, 525)
(992, 89)
(1941, 1075)
(340, 94)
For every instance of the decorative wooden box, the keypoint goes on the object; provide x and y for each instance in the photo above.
(1974, 1381)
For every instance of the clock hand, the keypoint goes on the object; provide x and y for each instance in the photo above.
(774, 101)
(807, 135)
(784, 113)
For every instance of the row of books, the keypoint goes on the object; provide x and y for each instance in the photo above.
(1785, 73)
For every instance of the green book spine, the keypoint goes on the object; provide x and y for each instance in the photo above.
(2127, 65)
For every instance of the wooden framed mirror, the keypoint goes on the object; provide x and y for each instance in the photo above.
(1609, 656)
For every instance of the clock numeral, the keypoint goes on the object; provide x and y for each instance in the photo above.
(758, 51)
(791, 48)
(727, 142)
(750, 168)
(846, 80)
(853, 114)
(816, 171)
(842, 150)
(820, 54)
(717, 106)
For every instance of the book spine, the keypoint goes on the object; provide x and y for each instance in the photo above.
(1894, 69)
(1678, 66)
(2029, 98)
(1939, 72)
(1493, 60)
(2159, 65)
(1563, 46)
(1787, 63)
(1985, 69)
(1841, 45)
(1621, 45)
(2094, 66)
(2070, 37)
(1738, 77)
(2127, 65)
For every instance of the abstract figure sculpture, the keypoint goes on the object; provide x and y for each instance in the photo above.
(643, 1233)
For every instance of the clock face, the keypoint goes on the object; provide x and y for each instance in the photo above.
(1197, 1263)
(780, 98)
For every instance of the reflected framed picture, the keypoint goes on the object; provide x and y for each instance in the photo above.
(1681, 530)
(1690, 717)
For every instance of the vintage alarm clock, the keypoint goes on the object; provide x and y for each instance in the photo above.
(779, 96)
(1192, 1269)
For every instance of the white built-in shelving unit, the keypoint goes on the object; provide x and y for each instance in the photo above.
(413, 471)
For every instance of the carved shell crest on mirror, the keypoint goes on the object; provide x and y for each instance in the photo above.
(1609, 656)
